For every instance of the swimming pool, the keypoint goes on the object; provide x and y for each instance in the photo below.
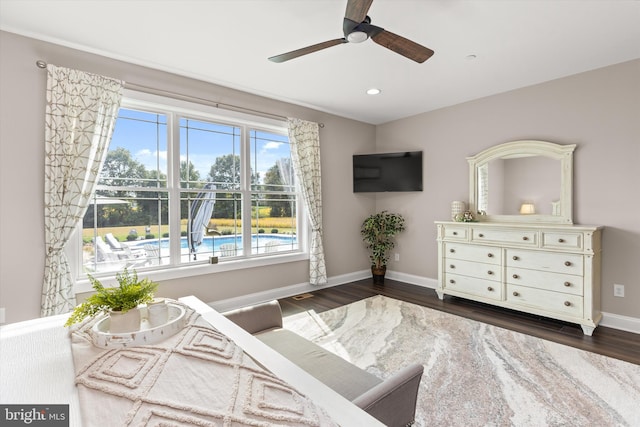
(213, 243)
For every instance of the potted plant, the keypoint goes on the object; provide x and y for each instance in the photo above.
(117, 301)
(378, 232)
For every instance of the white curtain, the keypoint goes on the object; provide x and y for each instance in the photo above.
(304, 137)
(81, 112)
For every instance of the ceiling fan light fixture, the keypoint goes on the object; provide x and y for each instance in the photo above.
(357, 37)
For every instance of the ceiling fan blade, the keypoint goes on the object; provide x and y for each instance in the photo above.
(404, 47)
(305, 50)
(357, 9)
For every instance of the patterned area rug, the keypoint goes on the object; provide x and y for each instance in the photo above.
(477, 374)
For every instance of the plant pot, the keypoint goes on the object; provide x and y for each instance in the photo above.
(123, 322)
(378, 274)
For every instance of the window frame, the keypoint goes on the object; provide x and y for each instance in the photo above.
(176, 109)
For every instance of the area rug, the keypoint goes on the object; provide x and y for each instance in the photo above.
(477, 374)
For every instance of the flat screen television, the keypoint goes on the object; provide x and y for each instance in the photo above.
(387, 172)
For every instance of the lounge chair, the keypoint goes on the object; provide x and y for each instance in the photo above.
(271, 246)
(117, 247)
(228, 249)
(153, 254)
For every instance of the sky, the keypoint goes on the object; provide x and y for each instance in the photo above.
(145, 136)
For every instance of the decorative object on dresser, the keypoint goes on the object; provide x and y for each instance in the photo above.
(378, 232)
(457, 207)
(532, 262)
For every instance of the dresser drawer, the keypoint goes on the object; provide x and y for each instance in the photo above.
(550, 301)
(473, 269)
(558, 282)
(452, 232)
(473, 286)
(519, 237)
(546, 261)
(485, 254)
(562, 240)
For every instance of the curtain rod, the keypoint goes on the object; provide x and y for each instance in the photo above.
(153, 91)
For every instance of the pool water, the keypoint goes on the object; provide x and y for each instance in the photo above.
(213, 243)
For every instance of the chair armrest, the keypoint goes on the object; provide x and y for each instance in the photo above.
(393, 401)
(257, 318)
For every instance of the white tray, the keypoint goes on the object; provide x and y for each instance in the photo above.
(104, 339)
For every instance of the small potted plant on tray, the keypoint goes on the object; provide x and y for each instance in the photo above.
(121, 301)
(378, 232)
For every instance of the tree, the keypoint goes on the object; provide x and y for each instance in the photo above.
(225, 173)
(273, 182)
(190, 176)
(120, 169)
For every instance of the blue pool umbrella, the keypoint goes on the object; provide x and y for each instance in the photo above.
(201, 210)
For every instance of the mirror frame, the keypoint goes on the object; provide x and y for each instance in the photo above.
(564, 153)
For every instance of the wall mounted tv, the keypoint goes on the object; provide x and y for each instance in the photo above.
(387, 172)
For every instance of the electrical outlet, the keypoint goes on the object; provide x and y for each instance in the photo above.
(2, 314)
(397, 257)
(618, 290)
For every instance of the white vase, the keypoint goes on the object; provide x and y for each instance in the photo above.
(123, 322)
(457, 207)
(158, 313)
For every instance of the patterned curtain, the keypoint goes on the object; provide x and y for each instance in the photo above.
(305, 154)
(81, 112)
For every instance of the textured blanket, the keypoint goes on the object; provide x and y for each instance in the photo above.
(198, 377)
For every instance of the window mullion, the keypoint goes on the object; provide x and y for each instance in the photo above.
(173, 178)
(245, 156)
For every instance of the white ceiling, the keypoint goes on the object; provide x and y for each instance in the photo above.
(517, 43)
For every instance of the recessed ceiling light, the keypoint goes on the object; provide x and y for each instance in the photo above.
(373, 91)
(471, 57)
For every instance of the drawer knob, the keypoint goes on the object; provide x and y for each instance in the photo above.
(567, 284)
(489, 272)
(452, 266)
(452, 251)
(560, 240)
(515, 258)
(490, 289)
(455, 233)
(480, 235)
(490, 255)
(567, 303)
(515, 294)
(567, 263)
(452, 281)
(525, 238)
(515, 276)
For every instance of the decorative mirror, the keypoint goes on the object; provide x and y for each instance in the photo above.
(522, 181)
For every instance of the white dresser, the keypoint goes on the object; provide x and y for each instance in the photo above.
(544, 269)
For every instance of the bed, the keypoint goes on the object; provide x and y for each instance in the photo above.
(37, 367)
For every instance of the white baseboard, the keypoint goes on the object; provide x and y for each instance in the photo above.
(610, 320)
(623, 323)
(285, 291)
(412, 279)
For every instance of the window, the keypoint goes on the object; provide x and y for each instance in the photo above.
(183, 187)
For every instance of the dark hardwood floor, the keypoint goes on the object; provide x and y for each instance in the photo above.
(607, 341)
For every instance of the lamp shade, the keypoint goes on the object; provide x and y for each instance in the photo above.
(527, 209)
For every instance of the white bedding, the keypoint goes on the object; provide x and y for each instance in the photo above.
(36, 367)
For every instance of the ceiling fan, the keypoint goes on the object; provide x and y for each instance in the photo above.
(357, 28)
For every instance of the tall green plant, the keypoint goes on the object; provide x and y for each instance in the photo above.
(378, 232)
(129, 294)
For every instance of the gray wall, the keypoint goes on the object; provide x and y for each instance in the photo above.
(22, 107)
(597, 110)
